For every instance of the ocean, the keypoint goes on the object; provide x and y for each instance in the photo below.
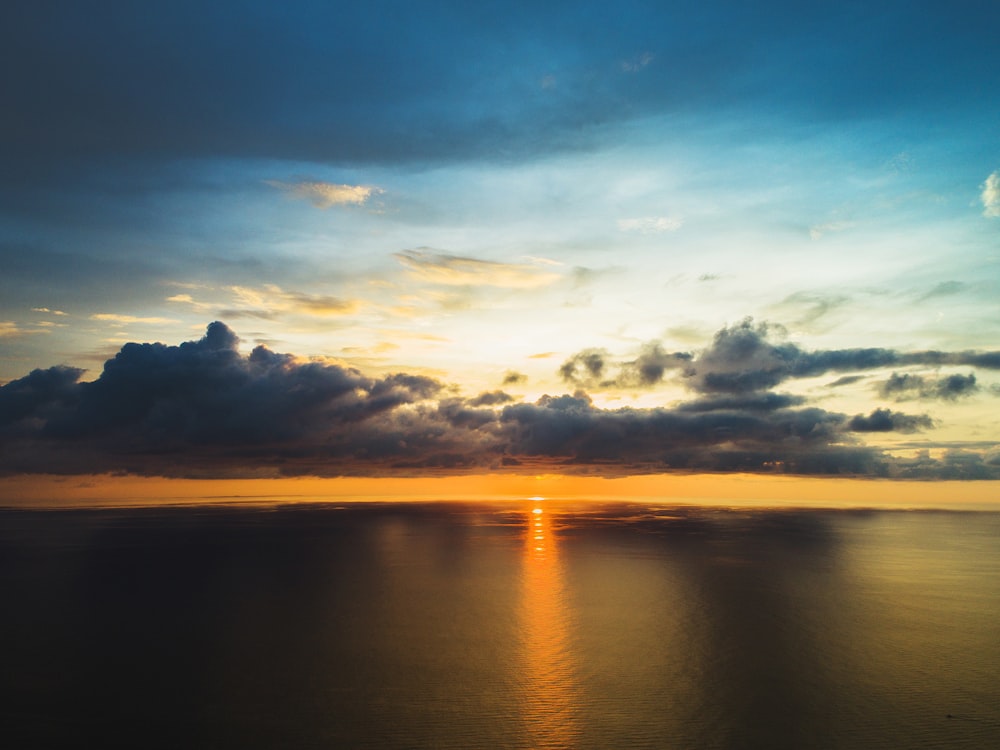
(528, 624)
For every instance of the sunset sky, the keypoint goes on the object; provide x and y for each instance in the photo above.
(418, 239)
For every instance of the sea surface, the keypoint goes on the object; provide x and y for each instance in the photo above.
(527, 624)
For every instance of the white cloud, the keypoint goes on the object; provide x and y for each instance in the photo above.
(651, 224)
(991, 196)
(327, 194)
(47, 310)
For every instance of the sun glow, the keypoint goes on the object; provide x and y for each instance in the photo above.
(736, 490)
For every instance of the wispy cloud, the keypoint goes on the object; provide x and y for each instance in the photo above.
(268, 301)
(651, 224)
(945, 289)
(455, 270)
(818, 230)
(990, 196)
(47, 311)
(327, 194)
(638, 62)
(187, 299)
(114, 318)
(9, 329)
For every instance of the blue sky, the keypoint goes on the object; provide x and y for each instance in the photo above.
(479, 193)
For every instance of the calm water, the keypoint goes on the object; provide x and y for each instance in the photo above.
(480, 626)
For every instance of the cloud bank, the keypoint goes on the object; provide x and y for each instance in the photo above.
(203, 409)
(744, 359)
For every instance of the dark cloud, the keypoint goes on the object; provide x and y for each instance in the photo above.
(204, 409)
(651, 365)
(491, 398)
(514, 378)
(584, 368)
(902, 386)
(845, 380)
(38, 394)
(953, 464)
(118, 81)
(885, 420)
(743, 358)
(749, 402)
(588, 368)
(571, 429)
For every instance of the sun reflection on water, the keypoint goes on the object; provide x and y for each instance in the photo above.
(549, 698)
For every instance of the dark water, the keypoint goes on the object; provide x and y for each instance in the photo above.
(482, 626)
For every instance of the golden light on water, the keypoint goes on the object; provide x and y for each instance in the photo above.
(549, 690)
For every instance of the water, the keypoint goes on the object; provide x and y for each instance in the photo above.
(525, 625)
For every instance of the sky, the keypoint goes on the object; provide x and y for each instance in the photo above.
(423, 239)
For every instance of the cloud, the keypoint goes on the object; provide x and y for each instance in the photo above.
(744, 358)
(490, 398)
(944, 289)
(908, 386)
(455, 270)
(637, 63)
(159, 85)
(810, 308)
(818, 230)
(651, 365)
(754, 402)
(125, 319)
(271, 302)
(9, 329)
(845, 380)
(571, 429)
(48, 311)
(885, 420)
(187, 299)
(588, 368)
(990, 196)
(202, 408)
(319, 304)
(651, 224)
(327, 194)
(514, 378)
(38, 395)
